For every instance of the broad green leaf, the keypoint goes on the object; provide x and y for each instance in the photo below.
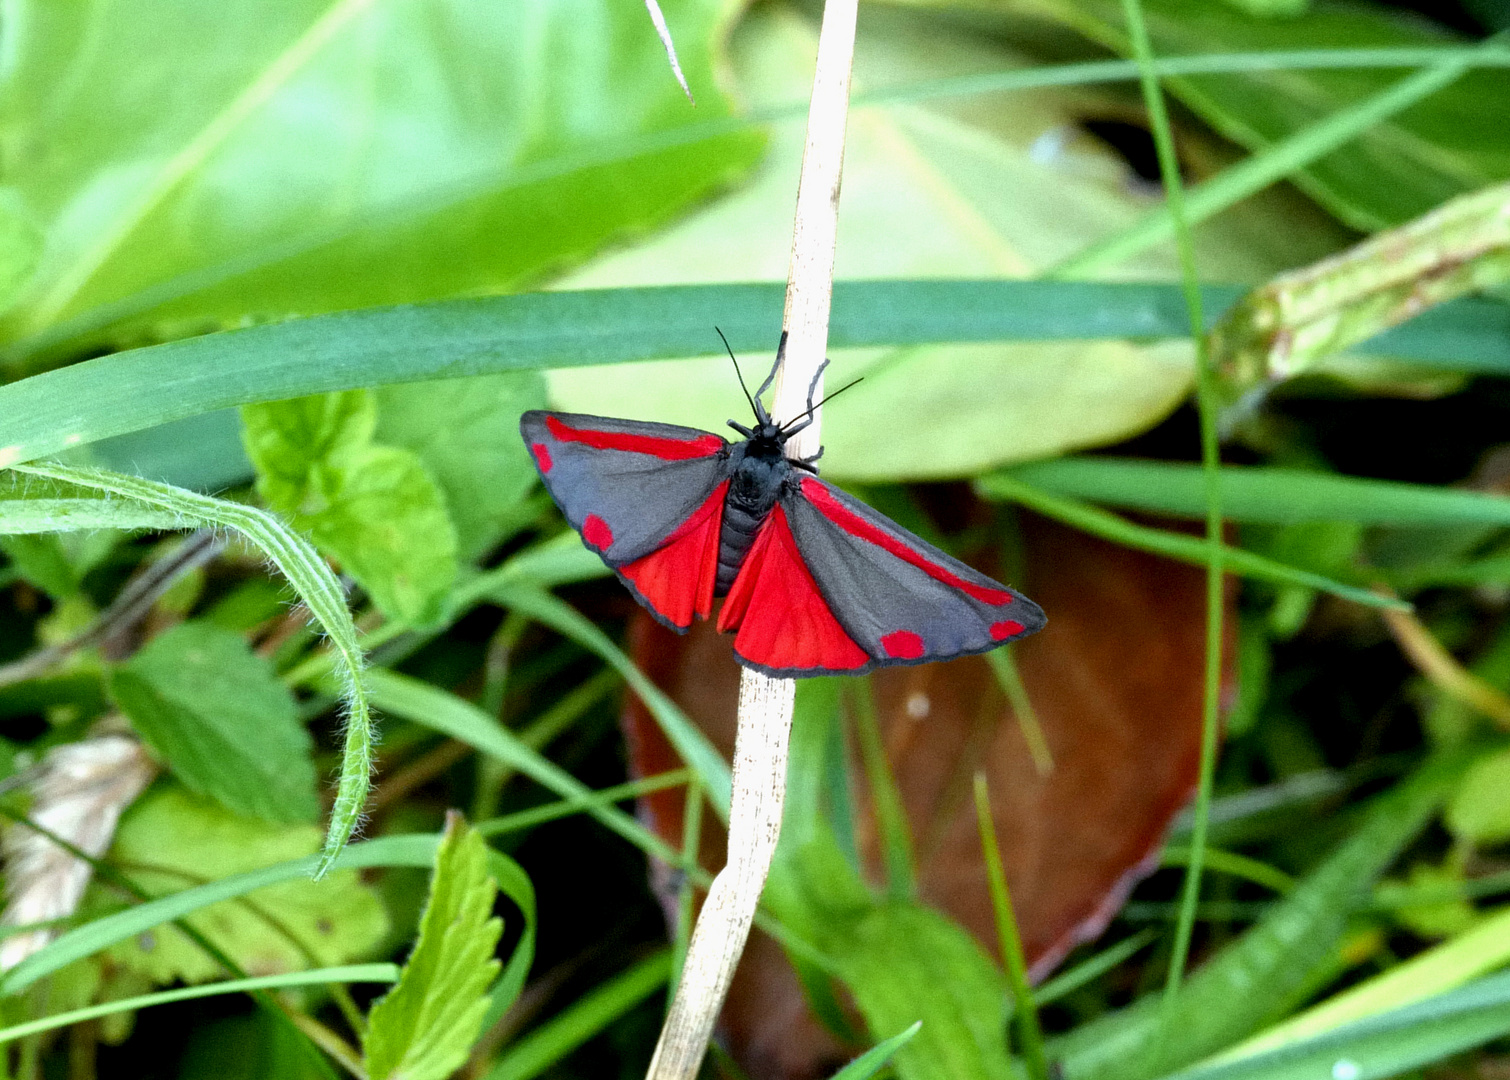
(1270, 496)
(139, 389)
(217, 714)
(1257, 979)
(1385, 1045)
(316, 586)
(270, 157)
(1444, 146)
(1479, 811)
(424, 1027)
(252, 1047)
(20, 245)
(923, 196)
(466, 433)
(171, 839)
(899, 947)
(41, 561)
(374, 508)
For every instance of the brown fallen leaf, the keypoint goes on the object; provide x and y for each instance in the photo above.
(1116, 680)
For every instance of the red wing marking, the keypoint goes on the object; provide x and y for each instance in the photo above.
(677, 580)
(1000, 631)
(543, 455)
(705, 445)
(855, 525)
(597, 533)
(784, 622)
(902, 644)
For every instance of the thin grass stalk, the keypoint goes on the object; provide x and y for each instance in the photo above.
(765, 704)
(1024, 1008)
(1206, 402)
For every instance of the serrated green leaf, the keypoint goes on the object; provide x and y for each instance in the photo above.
(1479, 811)
(466, 432)
(374, 508)
(217, 714)
(424, 1027)
(172, 839)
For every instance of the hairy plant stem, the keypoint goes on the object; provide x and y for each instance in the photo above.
(765, 704)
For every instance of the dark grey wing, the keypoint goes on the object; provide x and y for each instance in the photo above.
(900, 598)
(625, 485)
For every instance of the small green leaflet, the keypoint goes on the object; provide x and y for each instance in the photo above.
(424, 1027)
(374, 508)
(217, 714)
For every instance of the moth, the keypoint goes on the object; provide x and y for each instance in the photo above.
(814, 582)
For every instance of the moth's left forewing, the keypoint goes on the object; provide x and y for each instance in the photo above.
(899, 597)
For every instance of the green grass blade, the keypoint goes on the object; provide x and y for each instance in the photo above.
(562, 1034)
(439, 710)
(1005, 486)
(633, 789)
(1477, 951)
(350, 973)
(1255, 980)
(876, 1058)
(417, 850)
(1385, 1045)
(143, 388)
(310, 577)
(1069, 981)
(1269, 166)
(1270, 496)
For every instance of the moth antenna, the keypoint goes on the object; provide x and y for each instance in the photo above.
(806, 418)
(737, 373)
(769, 379)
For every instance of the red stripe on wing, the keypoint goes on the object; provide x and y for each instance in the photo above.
(677, 580)
(705, 445)
(855, 525)
(784, 622)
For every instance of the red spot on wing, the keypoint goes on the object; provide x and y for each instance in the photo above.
(677, 580)
(1000, 631)
(542, 455)
(902, 644)
(783, 620)
(855, 525)
(705, 445)
(597, 533)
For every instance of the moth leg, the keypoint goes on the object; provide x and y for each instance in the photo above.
(746, 432)
(806, 464)
(780, 355)
(812, 387)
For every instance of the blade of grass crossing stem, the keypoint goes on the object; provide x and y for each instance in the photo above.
(350, 973)
(878, 1056)
(693, 746)
(1257, 172)
(1207, 405)
(528, 819)
(1024, 1009)
(562, 1034)
(311, 578)
(886, 800)
(1108, 526)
